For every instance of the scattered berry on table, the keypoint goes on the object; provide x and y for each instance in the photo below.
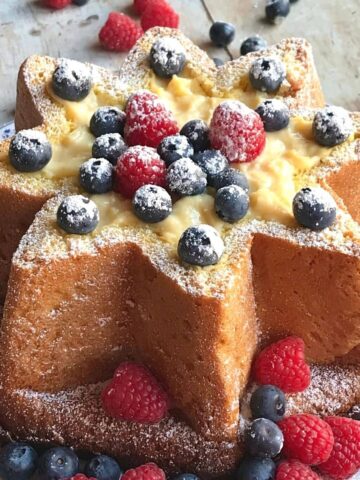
(29, 151)
(256, 468)
(263, 438)
(277, 10)
(175, 147)
(71, 80)
(81, 476)
(57, 463)
(231, 203)
(314, 208)
(184, 178)
(200, 245)
(159, 14)
(275, 114)
(149, 471)
(294, 470)
(103, 467)
(267, 74)
(110, 146)
(219, 62)
(80, 3)
(120, 32)
(230, 176)
(167, 57)
(186, 476)
(77, 215)
(212, 162)
(18, 461)
(96, 175)
(56, 4)
(140, 5)
(253, 44)
(332, 126)
(268, 402)
(197, 131)
(222, 33)
(107, 120)
(152, 204)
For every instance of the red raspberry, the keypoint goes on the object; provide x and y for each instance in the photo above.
(159, 14)
(283, 364)
(294, 470)
(135, 395)
(237, 132)
(306, 438)
(119, 33)
(57, 4)
(148, 121)
(136, 167)
(81, 476)
(140, 5)
(149, 471)
(345, 457)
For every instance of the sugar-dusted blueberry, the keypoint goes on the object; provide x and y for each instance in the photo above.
(230, 176)
(18, 461)
(184, 177)
(58, 463)
(253, 44)
(167, 57)
(103, 467)
(78, 215)
(354, 412)
(175, 147)
(110, 146)
(212, 162)
(152, 203)
(219, 62)
(277, 10)
(332, 126)
(268, 402)
(96, 175)
(231, 203)
(200, 245)
(263, 438)
(256, 468)
(314, 208)
(107, 120)
(71, 80)
(274, 113)
(186, 476)
(197, 131)
(267, 74)
(29, 151)
(222, 33)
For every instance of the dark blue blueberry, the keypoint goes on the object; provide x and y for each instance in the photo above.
(267, 74)
(255, 468)
(231, 203)
(58, 463)
(78, 215)
(29, 151)
(222, 33)
(80, 3)
(354, 413)
(71, 80)
(231, 176)
(103, 467)
(186, 476)
(314, 208)
(110, 146)
(197, 131)
(253, 44)
(200, 245)
(167, 57)
(175, 147)
(263, 439)
(275, 114)
(277, 10)
(17, 461)
(332, 126)
(107, 120)
(184, 178)
(218, 62)
(152, 204)
(268, 402)
(96, 175)
(212, 162)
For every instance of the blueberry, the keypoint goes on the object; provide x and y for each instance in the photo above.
(277, 10)
(96, 175)
(255, 468)
(275, 115)
(197, 131)
(218, 62)
(200, 245)
(253, 44)
(231, 203)
(186, 476)
(152, 204)
(332, 126)
(175, 147)
(212, 162)
(184, 177)
(222, 33)
(107, 120)
(58, 463)
(167, 57)
(103, 467)
(29, 151)
(268, 402)
(78, 215)
(314, 208)
(267, 74)
(110, 146)
(71, 80)
(231, 176)
(80, 3)
(17, 461)
(354, 413)
(263, 438)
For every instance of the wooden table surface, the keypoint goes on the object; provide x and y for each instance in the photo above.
(332, 26)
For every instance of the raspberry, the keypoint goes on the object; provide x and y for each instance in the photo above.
(345, 456)
(294, 470)
(237, 132)
(149, 471)
(141, 5)
(283, 364)
(119, 33)
(307, 438)
(81, 476)
(57, 4)
(148, 121)
(159, 14)
(135, 395)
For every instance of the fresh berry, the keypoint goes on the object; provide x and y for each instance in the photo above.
(219, 62)
(58, 463)
(136, 167)
(222, 33)
(135, 395)
(120, 32)
(29, 151)
(283, 364)
(354, 412)
(57, 4)
(230, 176)
(267, 74)
(200, 245)
(332, 126)
(110, 146)
(148, 121)
(237, 132)
(175, 147)
(197, 131)
(17, 461)
(263, 438)
(96, 175)
(256, 468)
(295, 470)
(314, 208)
(184, 178)
(253, 44)
(167, 57)
(71, 80)
(103, 467)
(275, 114)
(152, 204)
(307, 438)
(78, 215)
(231, 203)
(277, 10)
(345, 457)
(212, 162)
(149, 471)
(107, 120)
(140, 5)
(159, 14)
(268, 402)
(81, 476)
(186, 476)
(80, 3)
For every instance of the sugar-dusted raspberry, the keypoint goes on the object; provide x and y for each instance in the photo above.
(295, 470)
(345, 456)
(136, 167)
(237, 131)
(141, 5)
(149, 471)
(148, 121)
(135, 395)
(57, 4)
(159, 14)
(119, 33)
(283, 364)
(307, 438)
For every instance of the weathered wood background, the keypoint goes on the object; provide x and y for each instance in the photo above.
(332, 26)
